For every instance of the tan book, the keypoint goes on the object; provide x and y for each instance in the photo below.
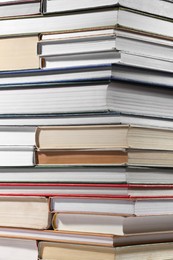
(24, 212)
(131, 157)
(61, 251)
(81, 157)
(104, 137)
(17, 53)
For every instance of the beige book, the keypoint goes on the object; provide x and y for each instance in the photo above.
(17, 53)
(24, 212)
(61, 251)
(104, 137)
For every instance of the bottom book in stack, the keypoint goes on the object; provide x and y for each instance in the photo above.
(60, 251)
(17, 249)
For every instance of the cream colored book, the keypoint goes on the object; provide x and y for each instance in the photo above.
(104, 137)
(17, 53)
(61, 251)
(24, 212)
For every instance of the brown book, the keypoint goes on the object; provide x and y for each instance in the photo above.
(81, 157)
(17, 53)
(133, 157)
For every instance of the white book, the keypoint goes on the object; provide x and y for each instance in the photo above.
(104, 40)
(105, 57)
(17, 156)
(84, 119)
(66, 174)
(15, 135)
(53, 77)
(121, 97)
(158, 7)
(110, 224)
(137, 207)
(15, 249)
(13, 8)
(58, 77)
(94, 19)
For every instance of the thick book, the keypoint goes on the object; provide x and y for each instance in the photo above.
(17, 8)
(15, 249)
(111, 224)
(88, 174)
(106, 18)
(102, 41)
(130, 157)
(162, 7)
(124, 97)
(60, 251)
(19, 53)
(110, 137)
(117, 206)
(17, 155)
(25, 212)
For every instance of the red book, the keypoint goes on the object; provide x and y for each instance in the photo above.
(87, 190)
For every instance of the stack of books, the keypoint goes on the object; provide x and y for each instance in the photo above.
(86, 130)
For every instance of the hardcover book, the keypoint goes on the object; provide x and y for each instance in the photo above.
(161, 7)
(60, 251)
(102, 19)
(17, 53)
(130, 157)
(110, 224)
(15, 249)
(25, 212)
(122, 97)
(103, 137)
(17, 8)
